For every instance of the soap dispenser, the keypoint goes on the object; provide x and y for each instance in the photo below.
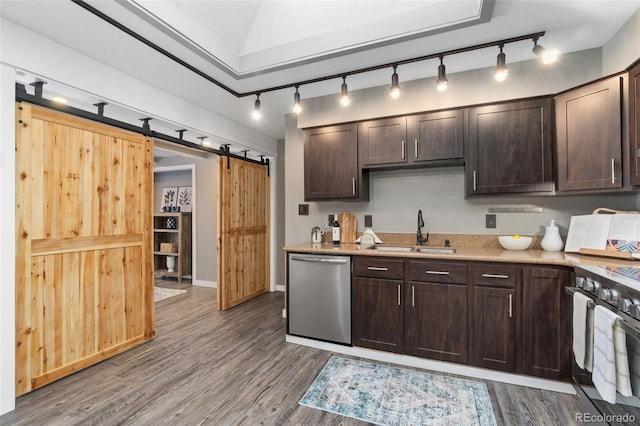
(552, 240)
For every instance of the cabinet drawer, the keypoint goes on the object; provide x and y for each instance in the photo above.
(373, 267)
(438, 271)
(494, 275)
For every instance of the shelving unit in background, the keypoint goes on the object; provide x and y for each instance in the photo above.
(179, 235)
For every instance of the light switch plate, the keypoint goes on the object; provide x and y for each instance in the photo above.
(368, 221)
(490, 221)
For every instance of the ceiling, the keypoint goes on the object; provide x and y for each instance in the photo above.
(255, 44)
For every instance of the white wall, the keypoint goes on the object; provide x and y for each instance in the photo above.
(7, 229)
(623, 48)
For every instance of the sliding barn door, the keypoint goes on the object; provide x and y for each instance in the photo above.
(243, 231)
(84, 280)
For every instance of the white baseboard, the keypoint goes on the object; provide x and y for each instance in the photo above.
(441, 366)
(202, 283)
(280, 287)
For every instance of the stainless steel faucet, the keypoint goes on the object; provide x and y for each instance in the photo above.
(419, 238)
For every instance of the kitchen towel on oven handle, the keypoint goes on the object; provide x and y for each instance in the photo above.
(582, 331)
(610, 361)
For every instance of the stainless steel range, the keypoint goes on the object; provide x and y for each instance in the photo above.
(617, 289)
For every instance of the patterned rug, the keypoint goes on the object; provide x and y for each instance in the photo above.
(387, 395)
(160, 293)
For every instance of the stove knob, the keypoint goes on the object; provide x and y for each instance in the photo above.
(608, 295)
(580, 281)
(634, 311)
(591, 285)
(625, 305)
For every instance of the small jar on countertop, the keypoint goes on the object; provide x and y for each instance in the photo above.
(552, 241)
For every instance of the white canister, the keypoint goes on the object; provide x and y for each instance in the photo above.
(552, 241)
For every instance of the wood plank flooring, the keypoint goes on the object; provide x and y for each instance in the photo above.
(207, 367)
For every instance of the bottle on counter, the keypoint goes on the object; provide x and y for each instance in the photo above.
(552, 241)
(335, 233)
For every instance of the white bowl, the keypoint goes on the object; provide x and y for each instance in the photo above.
(515, 242)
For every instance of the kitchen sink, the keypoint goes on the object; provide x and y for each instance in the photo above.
(438, 250)
(392, 248)
(405, 249)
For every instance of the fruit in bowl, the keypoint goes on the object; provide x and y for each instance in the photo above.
(515, 242)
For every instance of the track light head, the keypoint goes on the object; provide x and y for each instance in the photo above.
(256, 114)
(547, 56)
(442, 83)
(344, 93)
(501, 68)
(394, 91)
(297, 106)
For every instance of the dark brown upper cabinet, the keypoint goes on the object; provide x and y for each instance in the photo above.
(383, 142)
(331, 169)
(634, 123)
(510, 148)
(436, 136)
(428, 139)
(589, 137)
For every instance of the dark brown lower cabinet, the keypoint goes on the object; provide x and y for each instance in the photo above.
(494, 328)
(546, 325)
(377, 315)
(436, 321)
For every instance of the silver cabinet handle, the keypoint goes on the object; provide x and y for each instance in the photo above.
(475, 184)
(404, 147)
(415, 148)
(353, 186)
(437, 272)
(504, 277)
(510, 305)
(413, 296)
(376, 268)
(398, 294)
(613, 171)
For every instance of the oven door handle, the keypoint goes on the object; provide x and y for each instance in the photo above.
(634, 332)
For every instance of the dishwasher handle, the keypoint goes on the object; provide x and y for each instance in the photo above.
(332, 260)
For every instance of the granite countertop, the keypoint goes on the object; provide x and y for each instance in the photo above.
(480, 254)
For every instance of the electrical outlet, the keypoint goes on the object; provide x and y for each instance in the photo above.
(490, 221)
(368, 221)
(303, 209)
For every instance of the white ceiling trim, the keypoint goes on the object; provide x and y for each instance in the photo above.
(433, 18)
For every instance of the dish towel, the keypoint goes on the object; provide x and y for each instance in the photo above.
(610, 362)
(582, 331)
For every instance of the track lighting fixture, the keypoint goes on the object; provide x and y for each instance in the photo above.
(344, 93)
(442, 83)
(256, 114)
(547, 56)
(297, 106)
(394, 92)
(501, 69)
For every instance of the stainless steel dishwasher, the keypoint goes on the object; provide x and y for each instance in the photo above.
(319, 299)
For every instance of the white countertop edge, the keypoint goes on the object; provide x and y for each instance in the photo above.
(441, 366)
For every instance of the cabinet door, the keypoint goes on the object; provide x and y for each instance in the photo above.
(331, 164)
(634, 123)
(510, 148)
(589, 143)
(377, 314)
(436, 136)
(546, 322)
(383, 142)
(436, 321)
(494, 328)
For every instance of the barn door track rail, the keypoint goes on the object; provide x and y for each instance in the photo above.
(37, 99)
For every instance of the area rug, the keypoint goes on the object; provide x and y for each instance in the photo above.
(387, 395)
(160, 293)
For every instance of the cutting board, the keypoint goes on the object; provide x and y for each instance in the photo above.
(348, 227)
